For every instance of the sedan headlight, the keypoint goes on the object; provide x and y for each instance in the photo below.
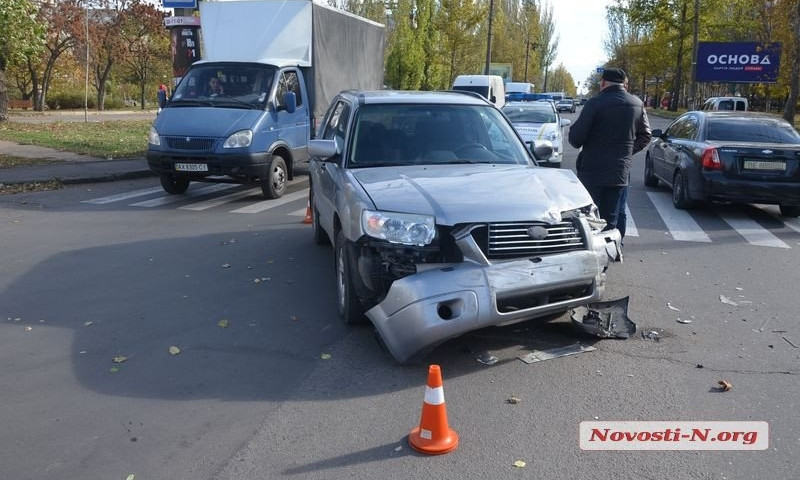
(153, 138)
(405, 228)
(242, 138)
(552, 136)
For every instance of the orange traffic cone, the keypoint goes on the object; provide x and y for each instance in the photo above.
(308, 213)
(433, 436)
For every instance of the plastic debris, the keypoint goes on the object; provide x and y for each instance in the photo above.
(88, 324)
(173, 350)
(725, 386)
(669, 305)
(604, 319)
(28, 329)
(130, 477)
(728, 301)
(398, 448)
(513, 400)
(226, 265)
(257, 280)
(652, 335)
(789, 342)
(683, 320)
(740, 289)
(520, 464)
(542, 355)
(223, 323)
(325, 356)
(113, 369)
(487, 358)
(119, 359)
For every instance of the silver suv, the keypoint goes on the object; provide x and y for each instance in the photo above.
(443, 223)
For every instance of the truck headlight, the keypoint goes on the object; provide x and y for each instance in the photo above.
(153, 138)
(405, 228)
(242, 138)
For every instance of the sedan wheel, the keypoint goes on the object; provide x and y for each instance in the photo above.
(680, 197)
(348, 305)
(274, 185)
(790, 210)
(650, 180)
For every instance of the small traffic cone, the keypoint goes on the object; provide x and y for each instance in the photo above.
(433, 436)
(308, 213)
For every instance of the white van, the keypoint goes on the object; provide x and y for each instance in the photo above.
(726, 103)
(519, 87)
(490, 86)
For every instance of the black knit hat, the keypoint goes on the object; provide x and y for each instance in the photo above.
(616, 75)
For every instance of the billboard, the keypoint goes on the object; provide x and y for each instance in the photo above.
(738, 62)
(179, 3)
(502, 69)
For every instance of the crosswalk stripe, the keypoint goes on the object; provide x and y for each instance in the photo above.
(167, 199)
(268, 204)
(299, 213)
(680, 224)
(630, 225)
(215, 202)
(123, 196)
(791, 222)
(752, 231)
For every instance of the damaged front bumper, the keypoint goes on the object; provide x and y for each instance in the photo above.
(444, 301)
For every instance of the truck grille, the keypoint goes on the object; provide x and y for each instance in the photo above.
(513, 240)
(190, 143)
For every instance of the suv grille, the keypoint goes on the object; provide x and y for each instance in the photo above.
(190, 143)
(512, 240)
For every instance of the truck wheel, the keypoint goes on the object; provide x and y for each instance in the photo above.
(274, 185)
(174, 185)
(348, 305)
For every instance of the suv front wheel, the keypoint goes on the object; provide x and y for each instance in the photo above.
(348, 305)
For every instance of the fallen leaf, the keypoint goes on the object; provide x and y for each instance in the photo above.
(520, 464)
(513, 400)
(725, 385)
(113, 369)
(119, 359)
(222, 323)
(669, 305)
(130, 477)
(173, 350)
(325, 356)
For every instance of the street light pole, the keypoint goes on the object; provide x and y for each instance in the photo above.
(489, 39)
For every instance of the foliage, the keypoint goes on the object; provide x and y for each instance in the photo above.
(20, 35)
(112, 139)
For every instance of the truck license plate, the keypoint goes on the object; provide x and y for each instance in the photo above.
(191, 167)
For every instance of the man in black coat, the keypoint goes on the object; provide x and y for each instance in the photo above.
(611, 128)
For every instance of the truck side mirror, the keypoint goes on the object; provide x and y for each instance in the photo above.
(290, 102)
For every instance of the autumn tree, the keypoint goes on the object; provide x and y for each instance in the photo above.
(548, 41)
(458, 23)
(20, 35)
(145, 44)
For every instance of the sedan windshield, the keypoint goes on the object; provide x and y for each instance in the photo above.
(751, 129)
(228, 85)
(395, 134)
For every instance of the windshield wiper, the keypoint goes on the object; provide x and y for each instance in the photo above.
(189, 102)
(234, 101)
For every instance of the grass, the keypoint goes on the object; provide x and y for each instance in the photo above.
(112, 139)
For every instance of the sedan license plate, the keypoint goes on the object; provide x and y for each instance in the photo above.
(765, 165)
(191, 167)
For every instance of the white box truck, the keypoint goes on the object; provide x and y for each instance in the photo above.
(245, 113)
(489, 86)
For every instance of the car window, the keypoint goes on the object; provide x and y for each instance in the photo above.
(400, 134)
(288, 82)
(679, 128)
(725, 105)
(336, 123)
(691, 128)
(740, 106)
(750, 129)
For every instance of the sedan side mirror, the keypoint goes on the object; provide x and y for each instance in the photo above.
(323, 149)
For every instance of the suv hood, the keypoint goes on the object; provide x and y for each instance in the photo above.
(474, 193)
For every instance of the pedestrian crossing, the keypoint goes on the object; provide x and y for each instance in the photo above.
(680, 225)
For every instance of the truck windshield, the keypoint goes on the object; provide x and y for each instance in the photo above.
(229, 85)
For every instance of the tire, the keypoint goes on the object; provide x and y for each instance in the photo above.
(274, 185)
(680, 197)
(317, 232)
(790, 210)
(650, 180)
(174, 185)
(347, 303)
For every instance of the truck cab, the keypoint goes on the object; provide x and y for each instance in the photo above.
(236, 122)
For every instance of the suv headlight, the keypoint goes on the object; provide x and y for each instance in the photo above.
(405, 228)
(590, 213)
(153, 138)
(242, 138)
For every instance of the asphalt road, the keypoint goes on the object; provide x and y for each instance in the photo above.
(97, 272)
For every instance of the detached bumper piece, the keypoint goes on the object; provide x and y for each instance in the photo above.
(604, 319)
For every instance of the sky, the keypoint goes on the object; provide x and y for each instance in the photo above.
(582, 30)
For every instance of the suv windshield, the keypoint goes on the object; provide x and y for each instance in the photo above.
(392, 134)
(234, 85)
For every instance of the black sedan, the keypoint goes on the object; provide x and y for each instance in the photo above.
(736, 157)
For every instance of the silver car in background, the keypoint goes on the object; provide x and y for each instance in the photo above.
(442, 223)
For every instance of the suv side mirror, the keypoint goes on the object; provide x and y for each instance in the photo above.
(323, 149)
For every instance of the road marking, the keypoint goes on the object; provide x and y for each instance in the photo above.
(215, 202)
(167, 199)
(681, 225)
(791, 222)
(630, 225)
(268, 204)
(299, 213)
(123, 196)
(752, 231)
